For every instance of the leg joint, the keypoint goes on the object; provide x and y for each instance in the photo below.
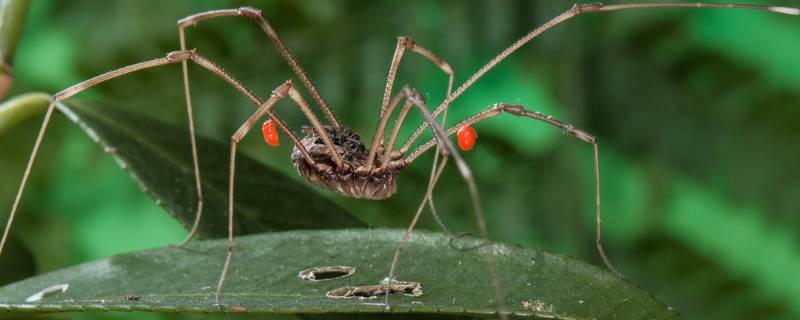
(237, 136)
(188, 21)
(406, 42)
(512, 109)
(283, 89)
(412, 93)
(182, 55)
(588, 7)
(250, 12)
(446, 68)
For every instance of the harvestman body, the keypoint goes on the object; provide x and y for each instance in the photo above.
(333, 156)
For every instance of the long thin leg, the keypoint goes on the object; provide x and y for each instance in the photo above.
(569, 14)
(398, 122)
(295, 95)
(195, 161)
(255, 100)
(445, 67)
(277, 95)
(273, 36)
(387, 107)
(393, 136)
(428, 193)
(298, 70)
(172, 57)
(403, 43)
(521, 111)
(449, 149)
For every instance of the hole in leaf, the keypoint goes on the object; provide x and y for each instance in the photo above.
(326, 273)
(413, 289)
(47, 291)
(539, 306)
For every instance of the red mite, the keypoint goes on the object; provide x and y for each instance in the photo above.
(270, 133)
(466, 138)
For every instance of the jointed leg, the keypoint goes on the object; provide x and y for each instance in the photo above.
(172, 57)
(195, 161)
(398, 122)
(428, 194)
(521, 111)
(432, 207)
(576, 10)
(298, 99)
(295, 95)
(205, 63)
(273, 36)
(567, 15)
(277, 95)
(298, 70)
(264, 109)
(448, 149)
(389, 147)
(403, 43)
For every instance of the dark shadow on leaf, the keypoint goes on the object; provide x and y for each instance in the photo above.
(158, 157)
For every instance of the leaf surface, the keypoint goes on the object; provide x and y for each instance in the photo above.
(264, 279)
(158, 157)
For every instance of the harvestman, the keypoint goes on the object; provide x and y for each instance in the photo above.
(333, 156)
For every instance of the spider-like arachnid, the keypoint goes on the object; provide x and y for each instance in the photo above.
(333, 156)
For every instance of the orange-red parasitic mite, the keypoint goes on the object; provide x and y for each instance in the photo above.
(466, 138)
(270, 133)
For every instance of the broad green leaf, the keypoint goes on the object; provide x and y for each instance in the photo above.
(158, 157)
(264, 279)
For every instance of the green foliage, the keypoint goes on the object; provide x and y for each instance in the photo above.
(695, 110)
(158, 157)
(264, 279)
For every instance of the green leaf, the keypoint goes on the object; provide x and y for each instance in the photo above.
(264, 279)
(158, 157)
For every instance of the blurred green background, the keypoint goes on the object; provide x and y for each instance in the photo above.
(696, 112)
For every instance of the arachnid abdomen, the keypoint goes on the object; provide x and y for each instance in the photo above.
(377, 184)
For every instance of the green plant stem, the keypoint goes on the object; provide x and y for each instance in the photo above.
(12, 18)
(20, 108)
